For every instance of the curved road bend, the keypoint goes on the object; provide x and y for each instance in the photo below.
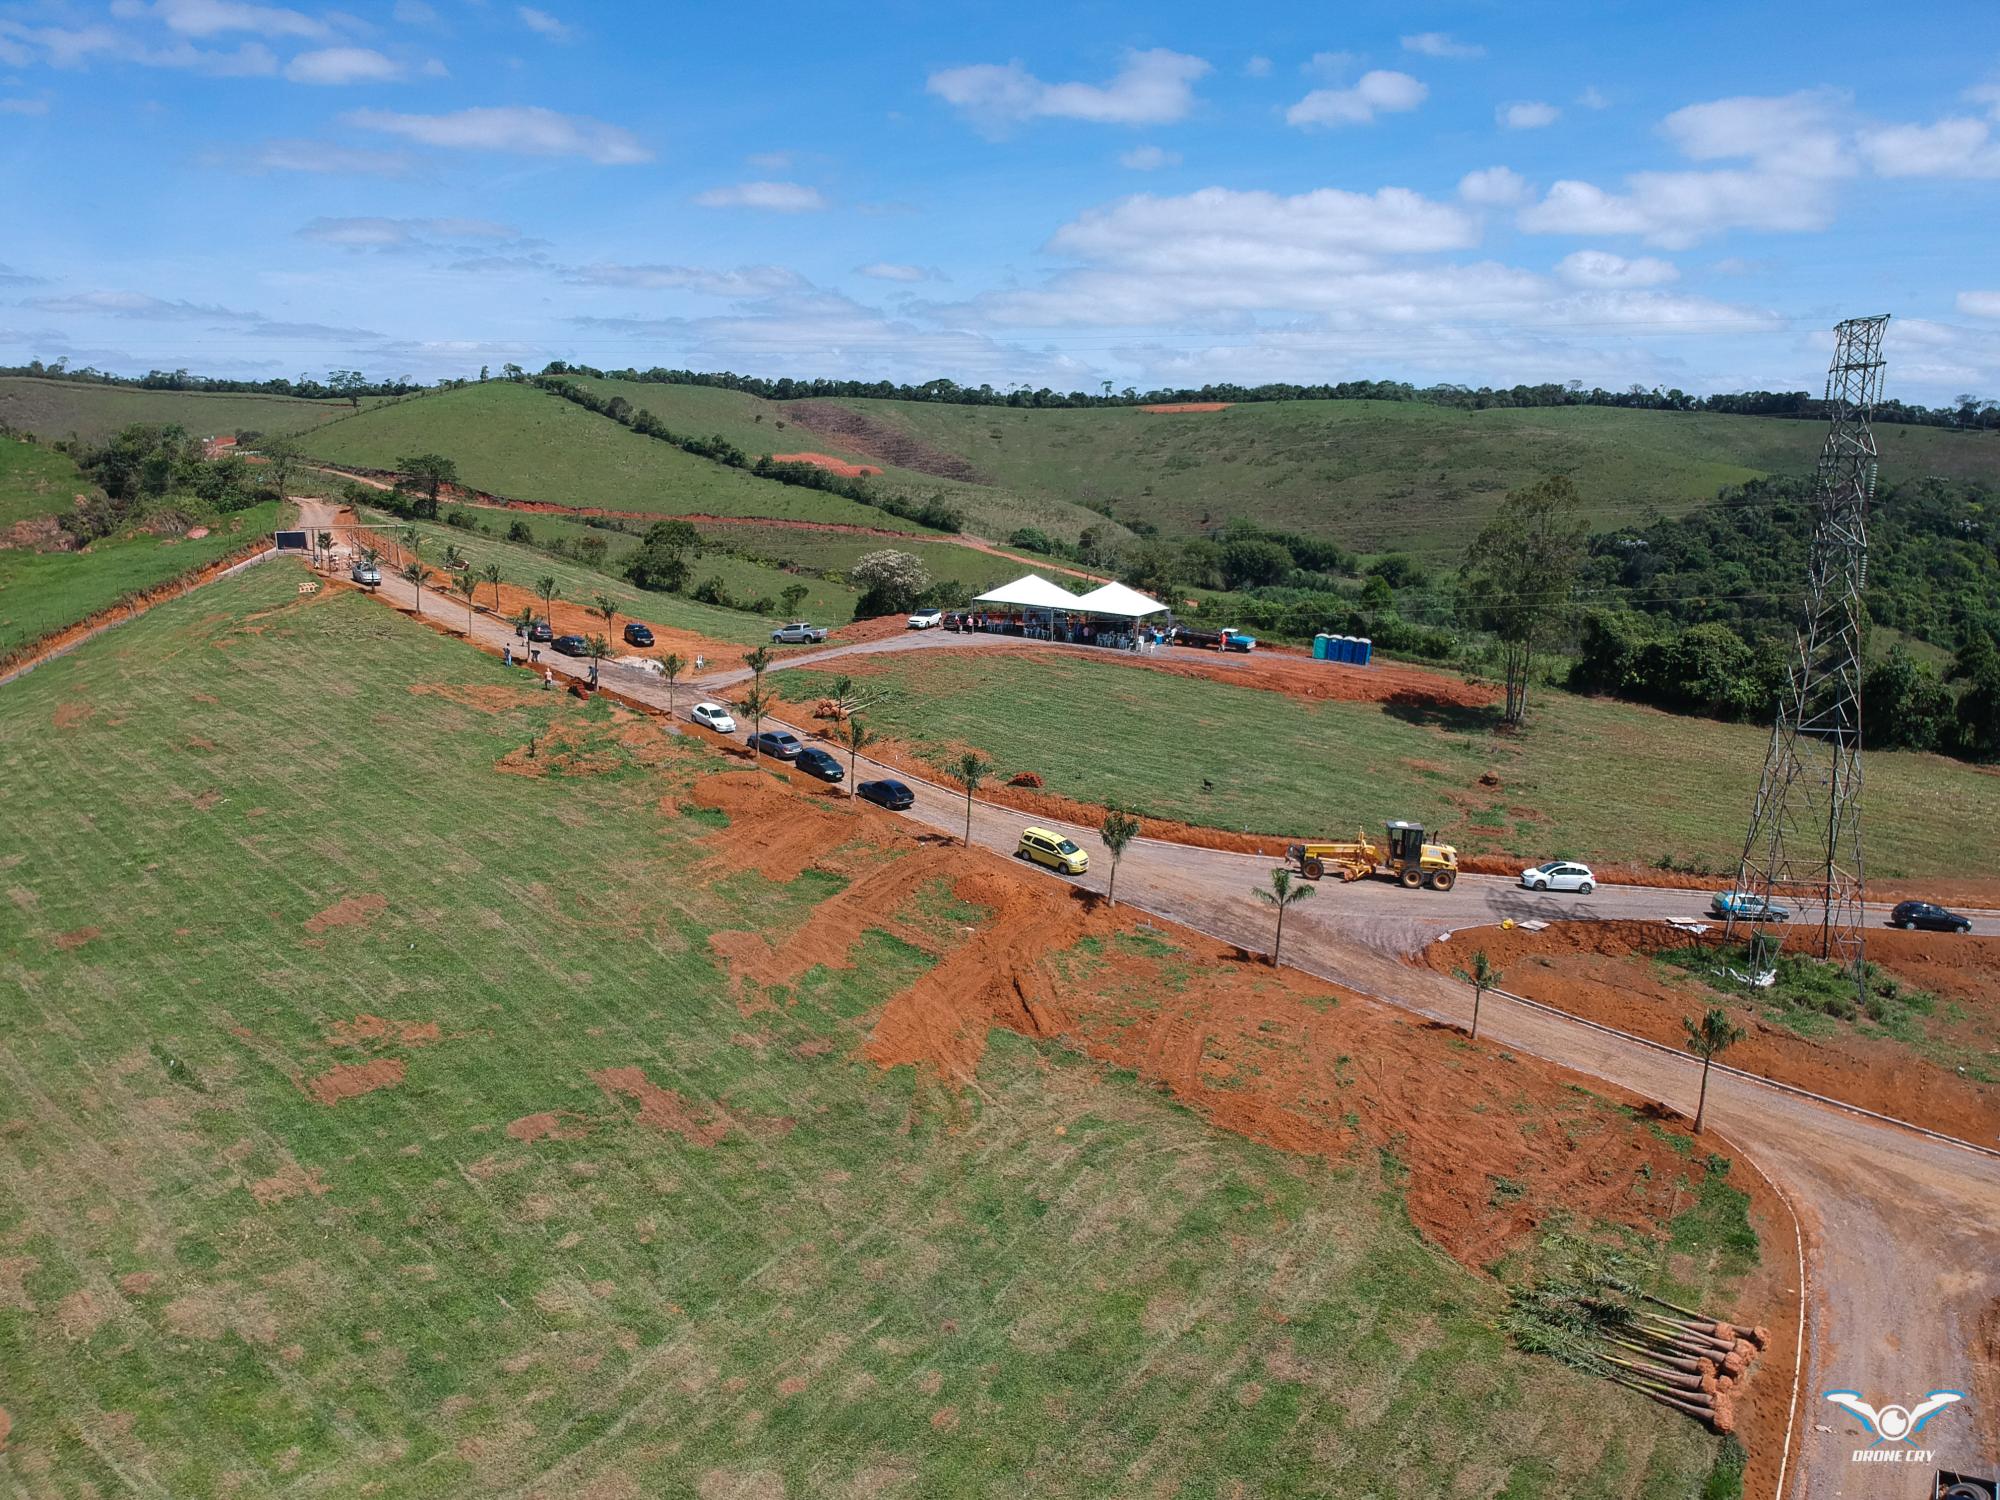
(1902, 1231)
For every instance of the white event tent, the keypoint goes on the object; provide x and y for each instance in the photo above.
(1030, 591)
(1117, 602)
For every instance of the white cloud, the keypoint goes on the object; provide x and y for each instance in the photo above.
(207, 18)
(1148, 158)
(1678, 209)
(1329, 64)
(769, 161)
(542, 23)
(24, 106)
(1796, 135)
(1593, 98)
(11, 277)
(1962, 147)
(319, 157)
(744, 281)
(138, 305)
(527, 130)
(79, 47)
(1941, 357)
(1379, 92)
(1257, 67)
(883, 270)
(1987, 94)
(1979, 304)
(1440, 44)
(414, 13)
(1528, 114)
(1600, 270)
(1217, 227)
(343, 65)
(401, 234)
(1154, 87)
(1493, 187)
(773, 197)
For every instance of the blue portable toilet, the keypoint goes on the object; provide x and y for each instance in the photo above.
(1319, 646)
(1346, 651)
(1364, 650)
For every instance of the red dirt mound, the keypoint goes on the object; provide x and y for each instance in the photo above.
(350, 911)
(1269, 1053)
(663, 1109)
(1175, 407)
(1598, 970)
(874, 439)
(828, 462)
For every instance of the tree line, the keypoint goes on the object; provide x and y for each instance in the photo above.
(338, 385)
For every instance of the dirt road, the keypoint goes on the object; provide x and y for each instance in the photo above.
(1901, 1230)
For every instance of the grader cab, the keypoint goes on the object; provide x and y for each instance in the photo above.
(1404, 858)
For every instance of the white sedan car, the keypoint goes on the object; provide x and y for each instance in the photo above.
(927, 619)
(1559, 875)
(714, 716)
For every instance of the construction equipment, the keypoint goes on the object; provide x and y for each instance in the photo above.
(1405, 859)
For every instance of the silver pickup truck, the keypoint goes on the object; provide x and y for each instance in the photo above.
(798, 633)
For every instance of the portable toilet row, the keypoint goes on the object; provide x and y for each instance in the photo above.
(1355, 650)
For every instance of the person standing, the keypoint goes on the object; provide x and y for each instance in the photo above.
(507, 654)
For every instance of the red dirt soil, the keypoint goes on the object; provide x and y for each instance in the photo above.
(351, 911)
(352, 1080)
(828, 462)
(662, 1109)
(1597, 970)
(1269, 1053)
(365, 1029)
(1169, 408)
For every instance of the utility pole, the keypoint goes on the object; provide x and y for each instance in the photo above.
(1803, 847)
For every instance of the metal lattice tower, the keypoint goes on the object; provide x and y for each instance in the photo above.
(1803, 849)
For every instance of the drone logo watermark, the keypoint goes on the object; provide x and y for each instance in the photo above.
(1894, 1424)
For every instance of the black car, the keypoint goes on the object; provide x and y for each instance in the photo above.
(890, 794)
(539, 631)
(637, 633)
(779, 743)
(570, 645)
(1929, 918)
(817, 763)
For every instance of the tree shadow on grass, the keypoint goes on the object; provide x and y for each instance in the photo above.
(1429, 714)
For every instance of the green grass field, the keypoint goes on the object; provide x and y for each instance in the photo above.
(1377, 475)
(231, 836)
(758, 426)
(1590, 779)
(576, 582)
(42, 592)
(826, 602)
(525, 444)
(54, 409)
(836, 552)
(36, 481)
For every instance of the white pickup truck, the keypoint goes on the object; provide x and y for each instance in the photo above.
(798, 633)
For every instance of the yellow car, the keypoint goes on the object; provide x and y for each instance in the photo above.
(1053, 850)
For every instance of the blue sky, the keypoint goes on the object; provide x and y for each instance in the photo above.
(1050, 194)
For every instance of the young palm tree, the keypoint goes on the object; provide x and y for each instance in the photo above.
(324, 542)
(1482, 977)
(606, 608)
(1117, 830)
(453, 560)
(1712, 1034)
(843, 691)
(853, 734)
(758, 662)
(597, 648)
(545, 590)
(414, 574)
(371, 555)
(1281, 894)
(491, 574)
(466, 585)
(753, 705)
(969, 770)
(521, 619)
(672, 665)
(791, 596)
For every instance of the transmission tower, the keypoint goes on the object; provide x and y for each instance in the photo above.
(1803, 850)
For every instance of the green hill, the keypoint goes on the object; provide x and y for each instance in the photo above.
(52, 409)
(1377, 475)
(760, 426)
(525, 444)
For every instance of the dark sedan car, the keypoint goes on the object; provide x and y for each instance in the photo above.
(570, 645)
(540, 631)
(890, 794)
(1928, 918)
(779, 743)
(638, 633)
(817, 763)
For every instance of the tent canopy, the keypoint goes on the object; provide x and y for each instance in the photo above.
(1030, 591)
(1118, 601)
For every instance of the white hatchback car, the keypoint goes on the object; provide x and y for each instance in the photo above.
(1560, 875)
(713, 716)
(927, 619)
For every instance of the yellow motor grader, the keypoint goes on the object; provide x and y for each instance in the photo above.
(1405, 859)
